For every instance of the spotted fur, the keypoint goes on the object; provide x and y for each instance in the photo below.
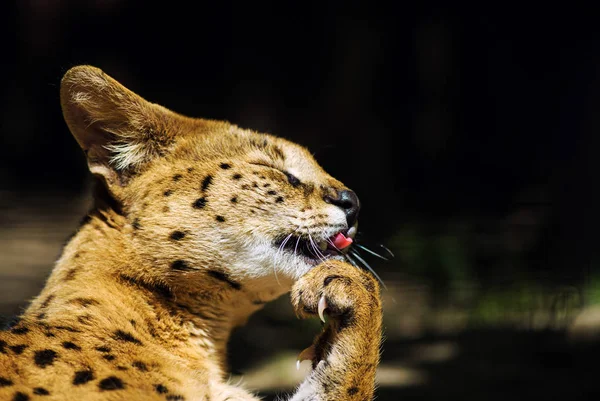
(185, 241)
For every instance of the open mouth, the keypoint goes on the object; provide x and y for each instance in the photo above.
(314, 248)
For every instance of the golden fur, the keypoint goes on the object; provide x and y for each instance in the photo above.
(177, 251)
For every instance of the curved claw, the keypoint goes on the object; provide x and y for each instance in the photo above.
(321, 307)
(306, 355)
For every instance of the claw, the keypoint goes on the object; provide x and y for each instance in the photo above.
(321, 307)
(306, 355)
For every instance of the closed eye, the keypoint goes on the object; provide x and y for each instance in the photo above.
(292, 179)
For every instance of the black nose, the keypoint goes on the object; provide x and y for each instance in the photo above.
(348, 201)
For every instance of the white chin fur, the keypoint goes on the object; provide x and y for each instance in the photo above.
(264, 260)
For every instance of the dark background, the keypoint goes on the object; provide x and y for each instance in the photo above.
(471, 127)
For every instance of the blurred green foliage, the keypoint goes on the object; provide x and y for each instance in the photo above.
(448, 259)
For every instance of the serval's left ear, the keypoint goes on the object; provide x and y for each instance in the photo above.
(118, 130)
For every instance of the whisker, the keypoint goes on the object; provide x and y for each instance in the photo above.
(387, 250)
(317, 253)
(364, 262)
(364, 248)
(323, 257)
(316, 249)
(296, 247)
(284, 242)
(277, 254)
(297, 239)
(351, 260)
(333, 245)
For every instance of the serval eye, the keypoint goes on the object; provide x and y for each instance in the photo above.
(292, 179)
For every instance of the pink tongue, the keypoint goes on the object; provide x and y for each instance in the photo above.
(340, 241)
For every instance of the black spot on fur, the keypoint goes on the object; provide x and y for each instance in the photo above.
(103, 349)
(19, 396)
(225, 278)
(111, 383)
(71, 274)
(41, 316)
(157, 288)
(370, 286)
(206, 182)
(85, 302)
(279, 199)
(122, 368)
(44, 357)
(139, 365)
(245, 186)
(133, 323)
(181, 265)
(225, 166)
(257, 144)
(47, 301)
(40, 391)
(234, 199)
(83, 376)
(236, 176)
(4, 382)
(67, 328)
(220, 219)
(71, 345)
(151, 329)
(308, 189)
(160, 389)
(271, 192)
(177, 177)
(136, 224)
(18, 349)
(177, 235)
(124, 336)
(278, 152)
(20, 330)
(109, 357)
(175, 397)
(352, 390)
(199, 203)
(2, 345)
(190, 169)
(168, 192)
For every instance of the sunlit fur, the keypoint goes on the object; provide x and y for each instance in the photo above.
(183, 244)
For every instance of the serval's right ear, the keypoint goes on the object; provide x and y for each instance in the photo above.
(118, 130)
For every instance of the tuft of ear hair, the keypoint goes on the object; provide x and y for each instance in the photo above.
(118, 130)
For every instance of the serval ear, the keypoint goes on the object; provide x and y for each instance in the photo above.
(117, 129)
